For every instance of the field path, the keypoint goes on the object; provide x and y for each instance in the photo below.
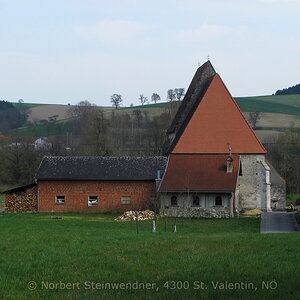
(278, 222)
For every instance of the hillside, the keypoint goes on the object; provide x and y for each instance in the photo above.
(277, 113)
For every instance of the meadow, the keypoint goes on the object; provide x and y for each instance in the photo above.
(81, 256)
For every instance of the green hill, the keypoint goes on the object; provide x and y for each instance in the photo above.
(286, 106)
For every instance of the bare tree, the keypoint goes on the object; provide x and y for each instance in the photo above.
(138, 116)
(155, 97)
(254, 117)
(171, 95)
(116, 100)
(179, 93)
(143, 99)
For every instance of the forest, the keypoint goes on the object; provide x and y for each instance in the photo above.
(293, 90)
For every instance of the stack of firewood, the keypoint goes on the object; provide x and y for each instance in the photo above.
(133, 215)
(21, 203)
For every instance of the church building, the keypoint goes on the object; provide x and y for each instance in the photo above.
(216, 165)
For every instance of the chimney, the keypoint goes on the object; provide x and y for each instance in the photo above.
(229, 164)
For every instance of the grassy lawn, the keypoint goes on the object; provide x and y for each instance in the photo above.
(86, 249)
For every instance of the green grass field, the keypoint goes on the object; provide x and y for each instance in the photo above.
(57, 128)
(291, 100)
(251, 104)
(27, 105)
(40, 255)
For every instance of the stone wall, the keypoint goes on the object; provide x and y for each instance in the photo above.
(192, 212)
(278, 197)
(251, 183)
(185, 208)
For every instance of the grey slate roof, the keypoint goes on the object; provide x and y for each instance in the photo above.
(100, 168)
(191, 100)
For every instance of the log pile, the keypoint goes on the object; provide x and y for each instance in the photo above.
(133, 215)
(21, 203)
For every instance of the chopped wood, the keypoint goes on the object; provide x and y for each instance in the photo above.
(21, 203)
(133, 215)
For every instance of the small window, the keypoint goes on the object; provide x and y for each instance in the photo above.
(196, 200)
(218, 201)
(92, 200)
(174, 201)
(125, 199)
(60, 199)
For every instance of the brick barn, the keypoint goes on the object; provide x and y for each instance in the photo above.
(97, 184)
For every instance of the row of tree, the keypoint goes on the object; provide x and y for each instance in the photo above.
(172, 95)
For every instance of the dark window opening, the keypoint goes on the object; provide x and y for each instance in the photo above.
(60, 199)
(218, 201)
(92, 200)
(174, 201)
(196, 201)
(241, 170)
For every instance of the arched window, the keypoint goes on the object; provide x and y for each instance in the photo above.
(196, 200)
(218, 201)
(174, 201)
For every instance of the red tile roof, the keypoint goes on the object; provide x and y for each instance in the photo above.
(214, 123)
(206, 173)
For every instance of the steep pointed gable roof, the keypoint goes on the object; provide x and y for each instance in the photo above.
(196, 90)
(215, 125)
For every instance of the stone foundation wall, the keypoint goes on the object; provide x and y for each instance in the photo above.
(191, 212)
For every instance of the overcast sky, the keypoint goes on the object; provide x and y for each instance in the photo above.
(65, 51)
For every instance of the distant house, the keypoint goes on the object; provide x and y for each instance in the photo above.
(42, 143)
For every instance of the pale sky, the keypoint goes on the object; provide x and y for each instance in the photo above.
(65, 51)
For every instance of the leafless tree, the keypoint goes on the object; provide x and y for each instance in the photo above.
(179, 93)
(171, 95)
(138, 116)
(254, 117)
(155, 97)
(116, 100)
(143, 99)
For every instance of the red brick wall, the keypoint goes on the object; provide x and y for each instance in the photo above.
(109, 194)
(22, 201)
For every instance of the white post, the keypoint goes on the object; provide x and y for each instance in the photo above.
(153, 226)
(268, 190)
